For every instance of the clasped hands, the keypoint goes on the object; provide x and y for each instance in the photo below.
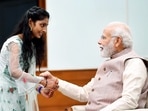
(50, 84)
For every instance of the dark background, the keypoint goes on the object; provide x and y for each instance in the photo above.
(11, 12)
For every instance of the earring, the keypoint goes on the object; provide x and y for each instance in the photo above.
(30, 28)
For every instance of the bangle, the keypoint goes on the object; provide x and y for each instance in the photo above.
(39, 89)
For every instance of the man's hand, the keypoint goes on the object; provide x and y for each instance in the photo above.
(51, 81)
(47, 92)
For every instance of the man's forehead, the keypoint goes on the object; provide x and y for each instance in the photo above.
(107, 32)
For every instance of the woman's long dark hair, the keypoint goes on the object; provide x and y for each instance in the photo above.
(35, 13)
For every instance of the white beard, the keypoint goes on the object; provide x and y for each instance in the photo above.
(108, 50)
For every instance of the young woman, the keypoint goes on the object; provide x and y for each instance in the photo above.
(20, 55)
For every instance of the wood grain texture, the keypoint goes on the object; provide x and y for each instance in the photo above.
(59, 102)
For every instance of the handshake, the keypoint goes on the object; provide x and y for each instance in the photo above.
(48, 85)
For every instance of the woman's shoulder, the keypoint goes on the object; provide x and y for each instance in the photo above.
(15, 39)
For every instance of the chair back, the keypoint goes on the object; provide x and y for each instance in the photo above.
(146, 64)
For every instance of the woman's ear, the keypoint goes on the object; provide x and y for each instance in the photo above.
(30, 23)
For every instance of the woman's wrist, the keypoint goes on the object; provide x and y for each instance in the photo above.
(43, 82)
(39, 88)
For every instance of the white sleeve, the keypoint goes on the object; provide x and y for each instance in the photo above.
(134, 78)
(74, 91)
(23, 80)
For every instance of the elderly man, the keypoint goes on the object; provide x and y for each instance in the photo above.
(121, 81)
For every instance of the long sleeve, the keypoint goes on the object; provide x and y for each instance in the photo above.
(134, 78)
(74, 91)
(14, 66)
(25, 82)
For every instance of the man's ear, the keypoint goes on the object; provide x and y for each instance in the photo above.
(118, 41)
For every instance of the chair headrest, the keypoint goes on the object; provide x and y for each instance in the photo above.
(145, 60)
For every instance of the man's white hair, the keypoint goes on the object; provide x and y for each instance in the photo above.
(120, 29)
